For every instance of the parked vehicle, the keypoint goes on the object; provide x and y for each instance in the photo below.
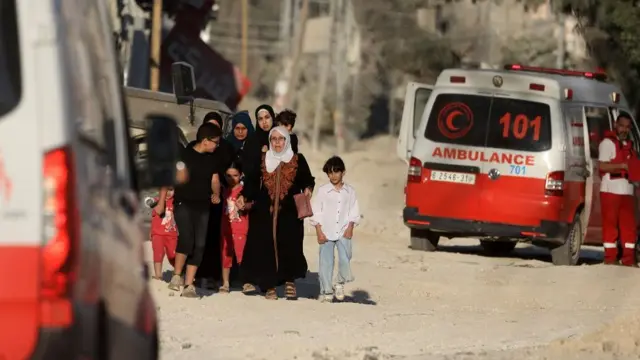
(75, 281)
(508, 156)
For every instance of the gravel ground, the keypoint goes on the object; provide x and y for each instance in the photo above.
(453, 304)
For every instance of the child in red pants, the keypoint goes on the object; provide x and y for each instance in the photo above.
(235, 225)
(164, 236)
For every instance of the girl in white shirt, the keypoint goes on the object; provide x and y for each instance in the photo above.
(335, 214)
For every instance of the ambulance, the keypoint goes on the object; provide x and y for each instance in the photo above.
(506, 156)
(74, 281)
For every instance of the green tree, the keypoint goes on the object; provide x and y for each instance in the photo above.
(611, 29)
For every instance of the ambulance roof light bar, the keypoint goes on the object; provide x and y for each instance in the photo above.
(598, 75)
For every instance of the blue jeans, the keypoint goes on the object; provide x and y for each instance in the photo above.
(325, 272)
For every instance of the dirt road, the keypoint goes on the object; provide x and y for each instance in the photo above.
(453, 304)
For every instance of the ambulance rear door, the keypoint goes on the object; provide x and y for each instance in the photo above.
(415, 100)
(519, 158)
(598, 120)
(451, 156)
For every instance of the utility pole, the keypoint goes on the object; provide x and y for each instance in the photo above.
(325, 66)
(156, 37)
(292, 81)
(488, 34)
(245, 36)
(342, 74)
(561, 42)
(285, 26)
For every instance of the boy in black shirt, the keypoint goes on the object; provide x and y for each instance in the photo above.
(191, 205)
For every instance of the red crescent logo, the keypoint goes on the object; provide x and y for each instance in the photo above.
(450, 119)
(455, 120)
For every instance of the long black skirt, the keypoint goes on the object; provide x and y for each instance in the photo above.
(211, 266)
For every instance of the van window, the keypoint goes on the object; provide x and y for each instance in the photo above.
(421, 98)
(10, 80)
(597, 123)
(476, 120)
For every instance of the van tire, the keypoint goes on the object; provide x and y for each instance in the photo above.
(498, 248)
(568, 254)
(424, 240)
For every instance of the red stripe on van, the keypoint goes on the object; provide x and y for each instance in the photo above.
(19, 305)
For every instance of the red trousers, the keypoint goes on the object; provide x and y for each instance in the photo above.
(618, 221)
(232, 244)
(164, 244)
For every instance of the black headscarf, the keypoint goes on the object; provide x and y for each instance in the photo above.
(252, 152)
(261, 134)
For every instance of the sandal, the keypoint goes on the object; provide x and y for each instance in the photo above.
(223, 289)
(271, 294)
(248, 289)
(290, 291)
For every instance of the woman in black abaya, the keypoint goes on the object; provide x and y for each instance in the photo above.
(273, 254)
(258, 143)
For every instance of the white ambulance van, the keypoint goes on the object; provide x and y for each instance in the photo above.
(506, 156)
(73, 282)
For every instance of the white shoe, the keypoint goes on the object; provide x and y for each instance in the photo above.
(326, 298)
(339, 291)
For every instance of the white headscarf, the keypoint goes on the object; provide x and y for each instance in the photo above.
(272, 158)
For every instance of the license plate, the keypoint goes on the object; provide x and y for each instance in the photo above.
(453, 177)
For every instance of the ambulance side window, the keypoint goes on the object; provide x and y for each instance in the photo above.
(597, 122)
(634, 130)
(422, 96)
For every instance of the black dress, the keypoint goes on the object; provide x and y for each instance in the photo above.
(211, 266)
(259, 259)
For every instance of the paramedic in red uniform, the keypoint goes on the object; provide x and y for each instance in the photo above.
(617, 194)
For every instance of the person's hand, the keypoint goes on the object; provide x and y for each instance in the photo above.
(322, 238)
(159, 208)
(240, 203)
(348, 234)
(215, 199)
(308, 192)
(248, 205)
(624, 166)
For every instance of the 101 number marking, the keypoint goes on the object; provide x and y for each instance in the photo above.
(518, 169)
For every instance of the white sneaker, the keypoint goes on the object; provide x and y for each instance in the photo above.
(339, 291)
(326, 298)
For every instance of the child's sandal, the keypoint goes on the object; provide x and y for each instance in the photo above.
(290, 291)
(223, 289)
(271, 294)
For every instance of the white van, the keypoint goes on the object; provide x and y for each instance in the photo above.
(73, 281)
(507, 156)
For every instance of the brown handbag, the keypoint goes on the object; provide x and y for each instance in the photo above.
(303, 204)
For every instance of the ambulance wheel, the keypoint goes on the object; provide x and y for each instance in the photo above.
(424, 240)
(498, 248)
(568, 254)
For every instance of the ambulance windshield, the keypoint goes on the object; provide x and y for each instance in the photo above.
(10, 82)
(476, 120)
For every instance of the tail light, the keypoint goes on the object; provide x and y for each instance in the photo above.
(146, 315)
(554, 183)
(457, 79)
(537, 87)
(414, 174)
(60, 235)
